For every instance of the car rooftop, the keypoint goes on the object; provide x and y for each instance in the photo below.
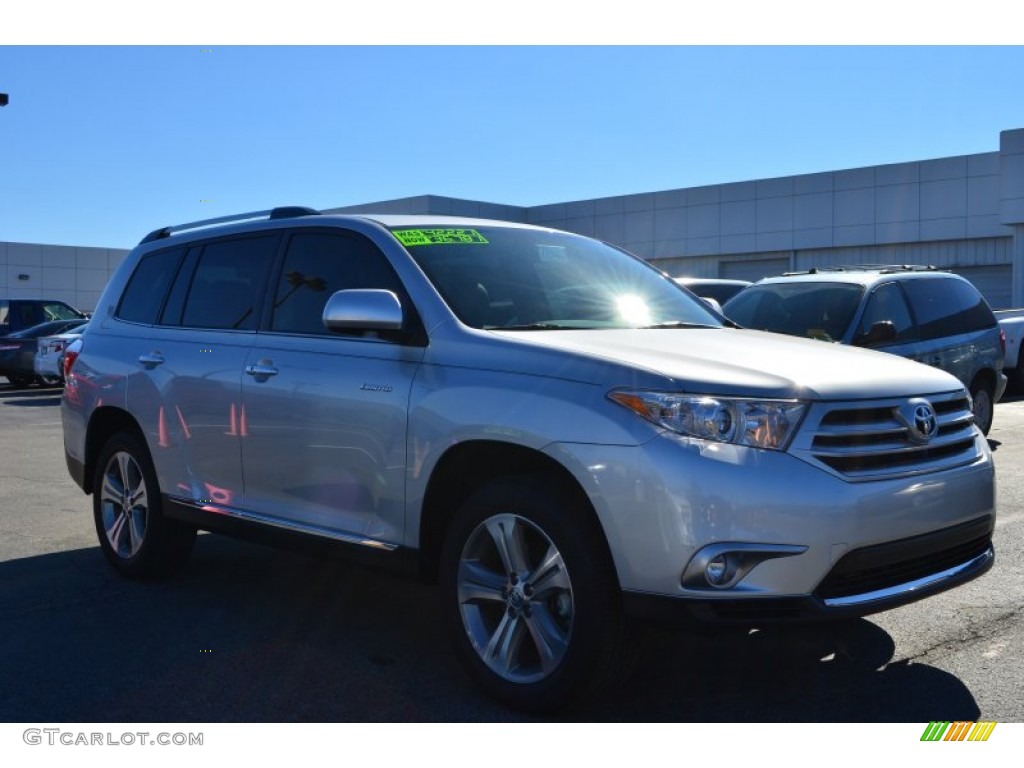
(862, 275)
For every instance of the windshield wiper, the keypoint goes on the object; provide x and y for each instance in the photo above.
(678, 324)
(533, 327)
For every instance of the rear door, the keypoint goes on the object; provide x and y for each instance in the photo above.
(185, 387)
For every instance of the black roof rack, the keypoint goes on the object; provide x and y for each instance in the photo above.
(884, 269)
(283, 212)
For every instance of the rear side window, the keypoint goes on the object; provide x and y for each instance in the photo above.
(227, 288)
(977, 315)
(317, 265)
(946, 307)
(148, 285)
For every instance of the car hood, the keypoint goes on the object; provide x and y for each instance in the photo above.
(748, 363)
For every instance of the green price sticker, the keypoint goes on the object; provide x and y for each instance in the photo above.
(409, 237)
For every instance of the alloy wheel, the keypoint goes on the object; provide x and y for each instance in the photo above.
(515, 598)
(124, 505)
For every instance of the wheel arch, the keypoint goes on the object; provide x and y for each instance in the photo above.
(986, 377)
(106, 421)
(470, 465)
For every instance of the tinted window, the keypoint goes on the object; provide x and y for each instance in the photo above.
(148, 285)
(227, 287)
(976, 312)
(316, 266)
(887, 304)
(26, 313)
(947, 307)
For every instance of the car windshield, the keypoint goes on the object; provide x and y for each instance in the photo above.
(818, 310)
(513, 278)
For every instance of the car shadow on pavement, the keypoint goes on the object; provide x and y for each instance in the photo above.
(34, 400)
(250, 634)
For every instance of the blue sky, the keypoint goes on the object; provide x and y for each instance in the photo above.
(99, 145)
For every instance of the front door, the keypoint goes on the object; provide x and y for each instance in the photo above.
(324, 415)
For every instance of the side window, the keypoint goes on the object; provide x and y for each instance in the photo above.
(5, 324)
(316, 265)
(886, 303)
(144, 294)
(976, 312)
(935, 306)
(227, 287)
(27, 314)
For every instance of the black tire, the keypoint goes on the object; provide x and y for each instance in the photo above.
(983, 406)
(127, 508)
(20, 382)
(572, 607)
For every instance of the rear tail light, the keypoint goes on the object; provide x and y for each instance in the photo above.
(1002, 340)
(70, 355)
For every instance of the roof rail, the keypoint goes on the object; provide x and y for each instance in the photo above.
(283, 212)
(882, 268)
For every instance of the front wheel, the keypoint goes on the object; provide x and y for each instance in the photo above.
(983, 407)
(134, 534)
(530, 597)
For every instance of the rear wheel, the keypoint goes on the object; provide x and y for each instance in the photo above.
(530, 596)
(134, 535)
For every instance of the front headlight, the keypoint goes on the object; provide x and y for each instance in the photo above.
(742, 421)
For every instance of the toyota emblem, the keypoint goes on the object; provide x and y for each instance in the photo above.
(918, 416)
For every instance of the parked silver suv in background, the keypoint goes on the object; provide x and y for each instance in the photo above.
(548, 426)
(934, 317)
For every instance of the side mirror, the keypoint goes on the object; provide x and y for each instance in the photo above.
(880, 332)
(363, 310)
(713, 303)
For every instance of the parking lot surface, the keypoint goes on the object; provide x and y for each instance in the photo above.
(246, 633)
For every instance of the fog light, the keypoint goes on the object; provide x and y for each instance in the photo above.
(716, 571)
(724, 564)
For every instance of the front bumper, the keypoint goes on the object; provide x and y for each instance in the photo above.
(866, 546)
(864, 582)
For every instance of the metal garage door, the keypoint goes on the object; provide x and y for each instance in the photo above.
(995, 281)
(753, 269)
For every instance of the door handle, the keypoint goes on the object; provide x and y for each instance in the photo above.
(262, 368)
(151, 360)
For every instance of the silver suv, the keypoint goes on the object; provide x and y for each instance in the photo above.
(549, 427)
(934, 317)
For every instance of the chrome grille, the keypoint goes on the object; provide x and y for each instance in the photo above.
(869, 440)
